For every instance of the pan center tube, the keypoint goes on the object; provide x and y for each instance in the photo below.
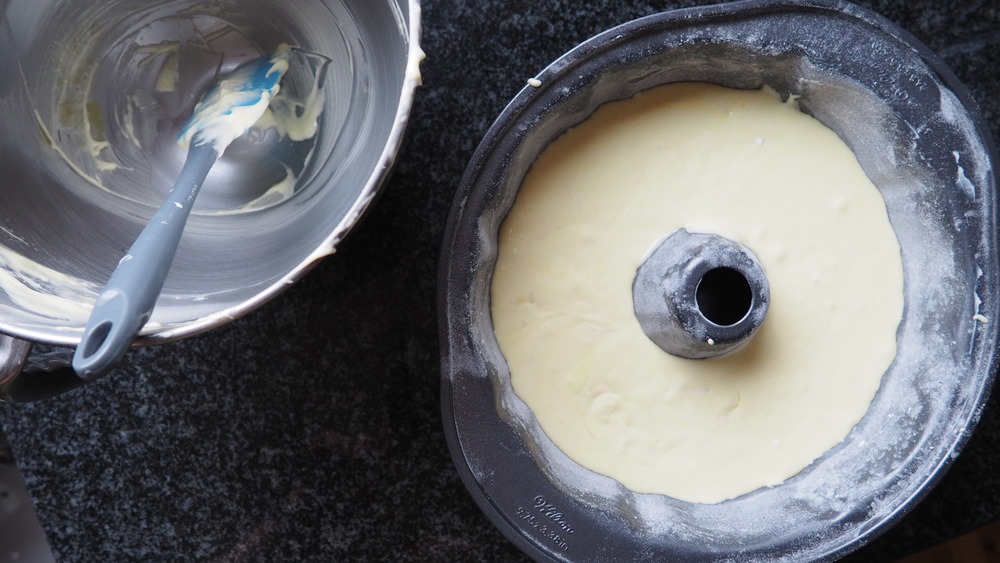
(700, 295)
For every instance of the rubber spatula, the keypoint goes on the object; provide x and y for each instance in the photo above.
(226, 111)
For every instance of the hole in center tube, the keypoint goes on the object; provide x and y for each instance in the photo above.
(724, 296)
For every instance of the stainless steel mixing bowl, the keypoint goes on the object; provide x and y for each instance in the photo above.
(917, 135)
(91, 99)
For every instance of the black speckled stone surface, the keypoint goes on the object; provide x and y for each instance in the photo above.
(310, 430)
(6, 455)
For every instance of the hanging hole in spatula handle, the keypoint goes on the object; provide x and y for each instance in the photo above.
(116, 319)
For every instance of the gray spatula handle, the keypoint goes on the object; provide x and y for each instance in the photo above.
(130, 294)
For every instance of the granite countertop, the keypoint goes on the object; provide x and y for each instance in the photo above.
(311, 429)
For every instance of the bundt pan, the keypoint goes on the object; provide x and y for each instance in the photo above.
(918, 136)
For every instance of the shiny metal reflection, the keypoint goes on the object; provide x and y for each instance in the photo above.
(93, 96)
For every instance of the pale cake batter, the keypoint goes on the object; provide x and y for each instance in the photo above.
(741, 164)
